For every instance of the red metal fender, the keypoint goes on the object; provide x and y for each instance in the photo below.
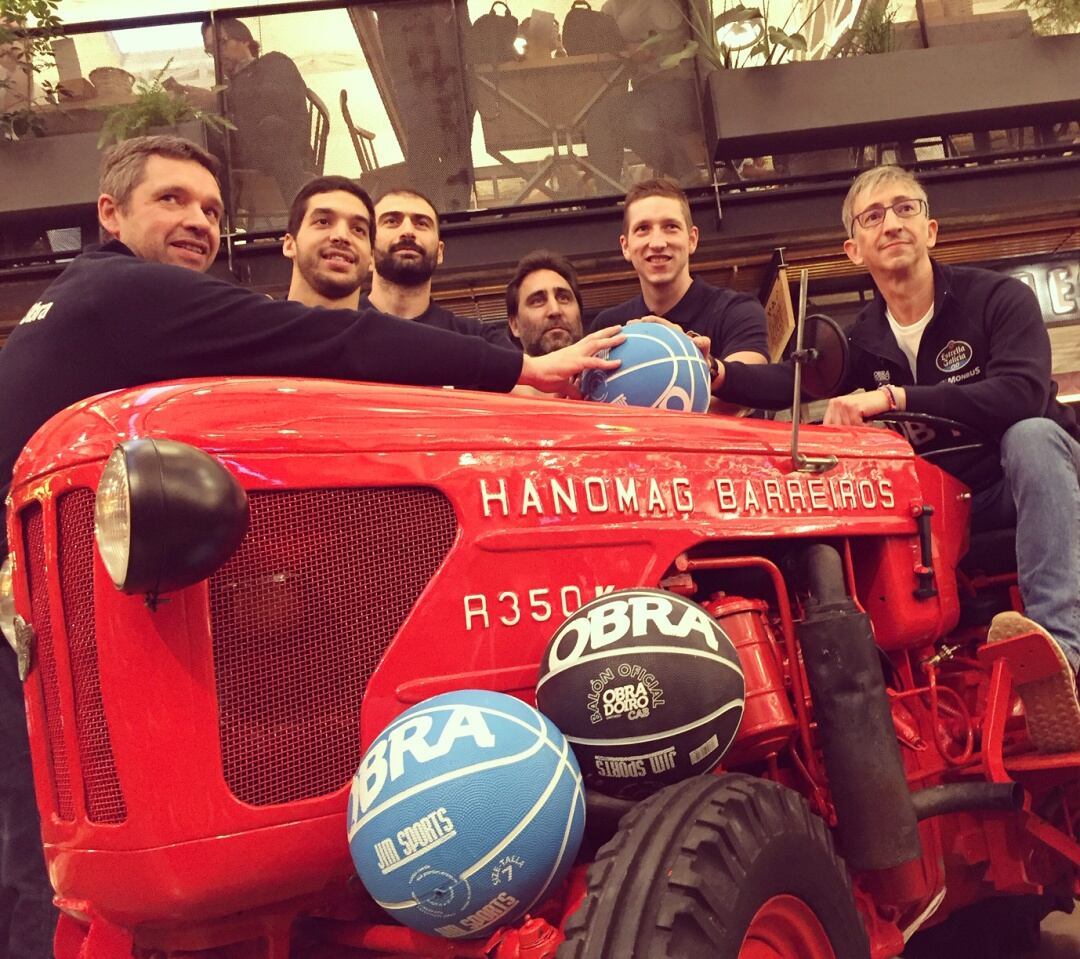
(69, 937)
(106, 941)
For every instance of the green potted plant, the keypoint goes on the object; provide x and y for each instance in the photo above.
(23, 56)
(154, 105)
(1053, 16)
(902, 95)
(735, 36)
(872, 31)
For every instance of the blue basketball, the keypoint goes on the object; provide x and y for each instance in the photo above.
(466, 811)
(660, 367)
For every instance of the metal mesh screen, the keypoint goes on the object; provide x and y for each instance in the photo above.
(33, 522)
(104, 800)
(301, 616)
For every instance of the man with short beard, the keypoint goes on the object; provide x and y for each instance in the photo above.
(407, 249)
(543, 303)
(329, 242)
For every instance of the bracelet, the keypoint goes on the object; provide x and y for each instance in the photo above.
(890, 393)
(714, 367)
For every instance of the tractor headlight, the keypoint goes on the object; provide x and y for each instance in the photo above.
(7, 602)
(166, 515)
(112, 517)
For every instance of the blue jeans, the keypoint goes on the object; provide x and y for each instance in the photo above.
(1040, 495)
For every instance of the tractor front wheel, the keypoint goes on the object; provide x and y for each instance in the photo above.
(718, 867)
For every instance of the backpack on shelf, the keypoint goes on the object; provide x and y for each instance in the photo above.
(491, 37)
(586, 30)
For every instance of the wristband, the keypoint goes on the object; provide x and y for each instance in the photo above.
(714, 368)
(890, 394)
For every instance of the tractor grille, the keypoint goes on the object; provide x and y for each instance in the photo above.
(301, 616)
(75, 520)
(33, 523)
(104, 800)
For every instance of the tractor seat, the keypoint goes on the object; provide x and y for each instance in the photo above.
(990, 553)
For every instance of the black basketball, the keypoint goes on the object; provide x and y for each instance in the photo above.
(646, 687)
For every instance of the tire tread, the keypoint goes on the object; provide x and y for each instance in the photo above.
(673, 833)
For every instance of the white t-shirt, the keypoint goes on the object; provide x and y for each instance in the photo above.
(909, 337)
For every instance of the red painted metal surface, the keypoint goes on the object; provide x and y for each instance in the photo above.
(192, 762)
(534, 939)
(768, 718)
(796, 675)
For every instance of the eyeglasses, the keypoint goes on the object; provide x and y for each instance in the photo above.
(905, 209)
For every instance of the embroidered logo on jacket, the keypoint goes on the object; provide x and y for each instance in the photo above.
(882, 376)
(954, 355)
(36, 312)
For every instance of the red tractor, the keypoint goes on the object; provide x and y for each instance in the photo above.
(280, 567)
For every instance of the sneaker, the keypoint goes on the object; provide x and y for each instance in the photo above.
(1050, 704)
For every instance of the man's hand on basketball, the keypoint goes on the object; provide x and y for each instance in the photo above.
(556, 372)
(701, 341)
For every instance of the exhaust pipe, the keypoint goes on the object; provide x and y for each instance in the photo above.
(877, 827)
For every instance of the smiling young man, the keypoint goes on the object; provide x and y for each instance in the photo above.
(329, 242)
(407, 249)
(969, 345)
(658, 240)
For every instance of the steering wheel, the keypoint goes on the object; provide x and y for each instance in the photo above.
(935, 437)
(825, 352)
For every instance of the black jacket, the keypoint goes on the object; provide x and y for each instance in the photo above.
(267, 102)
(112, 320)
(984, 360)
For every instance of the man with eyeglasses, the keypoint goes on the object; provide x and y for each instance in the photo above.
(969, 345)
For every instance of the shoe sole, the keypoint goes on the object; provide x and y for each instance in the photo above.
(1050, 704)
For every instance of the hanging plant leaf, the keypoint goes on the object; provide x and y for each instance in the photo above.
(663, 36)
(760, 48)
(672, 60)
(737, 14)
(792, 41)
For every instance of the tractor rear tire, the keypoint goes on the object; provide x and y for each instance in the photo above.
(718, 867)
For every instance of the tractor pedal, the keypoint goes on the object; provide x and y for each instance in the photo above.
(1043, 678)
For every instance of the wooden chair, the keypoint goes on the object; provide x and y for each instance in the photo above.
(363, 140)
(319, 127)
(373, 177)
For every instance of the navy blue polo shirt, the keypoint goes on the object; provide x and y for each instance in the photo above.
(732, 321)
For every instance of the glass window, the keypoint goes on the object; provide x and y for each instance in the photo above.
(580, 102)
